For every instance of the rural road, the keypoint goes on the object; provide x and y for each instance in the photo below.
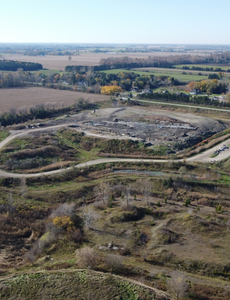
(202, 157)
(181, 105)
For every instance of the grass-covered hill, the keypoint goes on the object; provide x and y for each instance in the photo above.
(76, 284)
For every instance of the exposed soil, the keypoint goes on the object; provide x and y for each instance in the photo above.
(18, 97)
(154, 126)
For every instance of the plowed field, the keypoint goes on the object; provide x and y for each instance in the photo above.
(18, 97)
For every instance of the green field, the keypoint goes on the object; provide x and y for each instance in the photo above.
(203, 66)
(178, 76)
(47, 71)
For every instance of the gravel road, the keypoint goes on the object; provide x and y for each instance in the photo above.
(202, 157)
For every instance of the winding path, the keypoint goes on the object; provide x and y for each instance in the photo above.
(202, 157)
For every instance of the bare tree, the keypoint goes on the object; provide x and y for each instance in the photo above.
(114, 262)
(88, 257)
(89, 216)
(23, 110)
(177, 285)
(127, 189)
(145, 187)
(13, 111)
(102, 191)
(66, 209)
(228, 224)
(50, 105)
(10, 204)
(23, 186)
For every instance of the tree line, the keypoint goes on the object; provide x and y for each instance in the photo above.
(162, 62)
(24, 114)
(208, 69)
(12, 65)
(205, 100)
(209, 86)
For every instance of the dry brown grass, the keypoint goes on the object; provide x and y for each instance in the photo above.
(18, 97)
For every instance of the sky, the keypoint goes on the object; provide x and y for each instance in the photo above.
(117, 21)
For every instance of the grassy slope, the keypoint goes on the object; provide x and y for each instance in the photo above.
(75, 285)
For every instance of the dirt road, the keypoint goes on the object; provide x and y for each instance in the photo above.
(203, 157)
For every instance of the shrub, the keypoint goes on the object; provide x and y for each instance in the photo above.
(114, 262)
(63, 222)
(187, 202)
(167, 183)
(111, 200)
(219, 208)
(74, 234)
(158, 204)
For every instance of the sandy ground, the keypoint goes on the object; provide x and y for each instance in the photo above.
(84, 59)
(18, 97)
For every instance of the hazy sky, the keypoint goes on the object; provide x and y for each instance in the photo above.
(117, 21)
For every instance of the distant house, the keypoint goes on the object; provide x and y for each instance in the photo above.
(146, 91)
(195, 92)
(165, 92)
(135, 89)
(221, 99)
(214, 98)
(181, 94)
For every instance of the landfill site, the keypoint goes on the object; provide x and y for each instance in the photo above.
(149, 125)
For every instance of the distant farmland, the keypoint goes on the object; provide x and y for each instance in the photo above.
(84, 59)
(177, 75)
(214, 66)
(153, 69)
(18, 97)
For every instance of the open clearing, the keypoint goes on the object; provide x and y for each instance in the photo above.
(179, 76)
(18, 97)
(84, 59)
